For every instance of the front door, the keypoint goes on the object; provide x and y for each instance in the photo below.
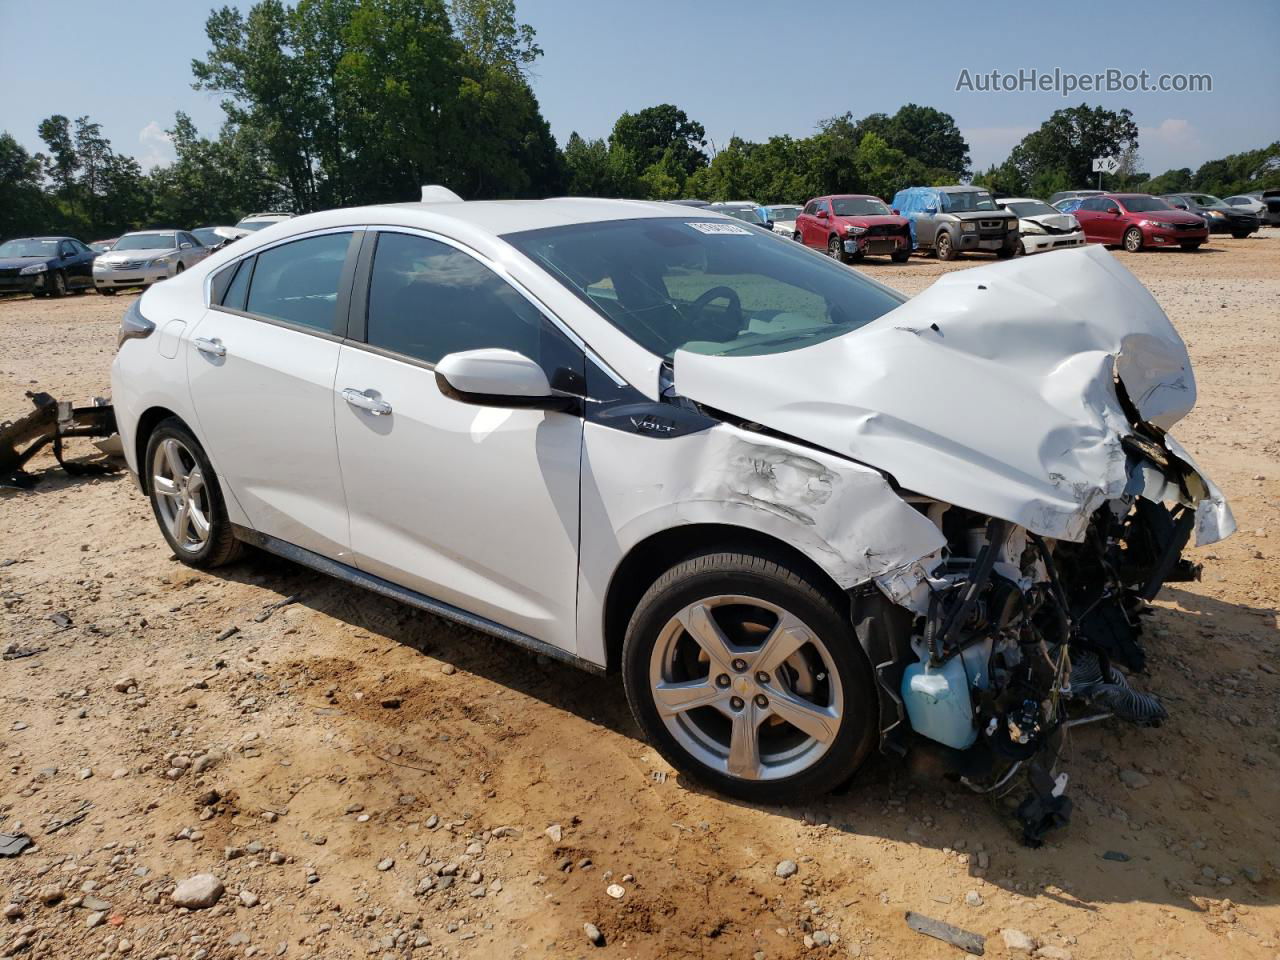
(473, 505)
(261, 365)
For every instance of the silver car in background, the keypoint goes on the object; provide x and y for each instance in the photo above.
(142, 258)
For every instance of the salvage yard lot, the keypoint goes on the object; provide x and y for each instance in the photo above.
(355, 747)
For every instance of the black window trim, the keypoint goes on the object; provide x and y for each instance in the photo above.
(341, 308)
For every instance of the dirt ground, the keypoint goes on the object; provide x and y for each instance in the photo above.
(368, 780)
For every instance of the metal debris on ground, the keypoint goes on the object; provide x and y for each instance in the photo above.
(76, 817)
(15, 652)
(12, 844)
(273, 607)
(52, 421)
(973, 943)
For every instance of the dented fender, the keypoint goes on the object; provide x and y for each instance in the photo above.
(843, 516)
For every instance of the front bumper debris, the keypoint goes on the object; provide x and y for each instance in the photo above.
(52, 421)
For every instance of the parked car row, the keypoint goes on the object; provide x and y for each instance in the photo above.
(56, 266)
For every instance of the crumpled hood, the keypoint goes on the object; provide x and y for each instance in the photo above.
(1059, 221)
(991, 390)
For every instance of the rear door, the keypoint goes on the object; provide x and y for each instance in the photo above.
(261, 365)
(473, 505)
(1087, 216)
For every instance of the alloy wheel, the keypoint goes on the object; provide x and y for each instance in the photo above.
(1133, 240)
(746, 688)
(182, 499)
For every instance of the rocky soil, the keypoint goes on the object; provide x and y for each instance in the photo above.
(264, 762)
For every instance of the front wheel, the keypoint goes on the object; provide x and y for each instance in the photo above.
(900, 256)
(796, 237)
(1133, 239)
(1242, 236)
(945, 248)
(186, 498)
(59, 282)
(107, 291)
(748, 678)
(835, 250)
(1009, 250)
(1191, 246)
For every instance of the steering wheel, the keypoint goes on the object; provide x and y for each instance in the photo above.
(733, 321)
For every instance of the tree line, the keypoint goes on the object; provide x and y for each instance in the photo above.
(333, 103)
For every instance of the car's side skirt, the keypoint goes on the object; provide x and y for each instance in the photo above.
(394, 591)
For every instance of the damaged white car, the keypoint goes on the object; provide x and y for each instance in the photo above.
(805, 517)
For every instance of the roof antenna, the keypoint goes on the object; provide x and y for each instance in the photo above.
(434, 193)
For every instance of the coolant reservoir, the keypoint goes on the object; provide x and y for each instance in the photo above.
(938, 703)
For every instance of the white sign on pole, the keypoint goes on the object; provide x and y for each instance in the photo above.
(1106, 164)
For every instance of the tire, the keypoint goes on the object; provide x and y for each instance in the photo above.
(900, 256)
(218, 544)
(1191, 246)
(107, 291)
(1133, 240)
(1242, 236)
(943, 246)
(1008, 252)
(179, 270)
(824, 682)
(39, 293)
(835, 251)
(59, 280)
(796, 237)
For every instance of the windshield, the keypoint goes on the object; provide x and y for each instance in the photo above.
(784, 213)
(749, 214)
(1207, 200)
(1144, 204)
(255, 224)
(858, 207)
(707, 287)
(29, 248)
(965, 201)
(207, 236)
(1030, 208)
(146, 241)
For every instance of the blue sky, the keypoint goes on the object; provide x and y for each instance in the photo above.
(746, 67)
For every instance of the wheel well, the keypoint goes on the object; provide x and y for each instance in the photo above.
(147, 423)
(652, 557)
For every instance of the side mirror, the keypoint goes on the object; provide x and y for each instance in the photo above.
(822, 214)
(493, 377)
(930, 210)
(184, 246)
(1114, 211)
(896, 212)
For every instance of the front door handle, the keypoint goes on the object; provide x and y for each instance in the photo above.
(363, 400)
(212, 346)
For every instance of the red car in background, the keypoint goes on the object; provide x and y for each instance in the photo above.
(1137, 221)
(850, 226)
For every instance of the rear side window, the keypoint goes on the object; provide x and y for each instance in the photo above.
(428, 299)
(298, 282)
(239, 286)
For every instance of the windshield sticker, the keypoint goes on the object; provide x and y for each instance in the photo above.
(726, 229)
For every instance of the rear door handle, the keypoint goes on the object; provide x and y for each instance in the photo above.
(212, 346)
(363, 400)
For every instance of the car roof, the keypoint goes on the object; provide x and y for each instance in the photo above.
(38, 238)
(513, 216)
(1024, 199)
(143, 233)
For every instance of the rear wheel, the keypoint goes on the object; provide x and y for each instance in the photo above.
(748, 677)
(186, 498)
(1133, 239)
(796, 237)
(834, 250)
(943, 245)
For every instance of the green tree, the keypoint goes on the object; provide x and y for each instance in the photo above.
(23, 205)
(489, 32)
(650, 133)
(61, 163)
(928, 136)
(1171, 181)
(1062, 150)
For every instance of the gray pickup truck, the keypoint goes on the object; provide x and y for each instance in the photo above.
(952, 220)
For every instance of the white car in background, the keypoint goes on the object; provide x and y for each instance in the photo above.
(1248, 204)
(145, 257)
(783, 216)
(257, 221)
(803, 516)
(1041, 226)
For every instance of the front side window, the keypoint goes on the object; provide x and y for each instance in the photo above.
(428, 299)
(298, 282)
(707, 287)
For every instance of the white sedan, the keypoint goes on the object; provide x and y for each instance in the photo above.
(145, 257)
(1043, 227)
(804, 517)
